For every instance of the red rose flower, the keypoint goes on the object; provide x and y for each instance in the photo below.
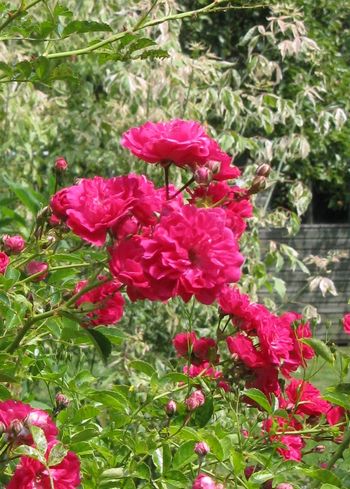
(184, 143)
(34, 267)
(109, 302)
(346, 323)
(17, 417)
(4, 262)
(14, 244)
(32, 474)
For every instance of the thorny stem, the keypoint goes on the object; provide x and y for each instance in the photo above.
(187, 184)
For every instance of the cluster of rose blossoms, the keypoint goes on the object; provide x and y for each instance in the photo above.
(16, 419)
(167, 242)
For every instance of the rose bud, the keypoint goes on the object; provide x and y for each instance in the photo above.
(16, 428)
(203, 176)
(170, 408)
(201, 449)
(14, 244)
(284, 485)
(54, 221)
(263, 170)
(4, 261)
(214, 166)
(258, 184)
(319, 449)
(62, 401)
(195, 400)
(61, 164)
(35, 267)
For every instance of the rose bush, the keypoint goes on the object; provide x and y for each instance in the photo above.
(235, 408)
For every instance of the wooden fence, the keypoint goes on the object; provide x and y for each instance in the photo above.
(318, 239)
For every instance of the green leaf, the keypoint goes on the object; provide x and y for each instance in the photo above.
(280, 287)
(237, 460)
(261, 477)
(204, 413)
(142, 471)
(329, 486)
(57, 454)
(174, 377)
(4, 393)
(177, 479)
(83, 26)
(27, 451)
(30, 199)
(103, 345)
(322, 475)
(162, 458)
(142, 367)
(320, 348)
(184, 455)
(42, 68)
(215, 446)
(260, 398)
(110, 400)
(39, 439)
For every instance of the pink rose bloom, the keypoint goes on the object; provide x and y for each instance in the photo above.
(192, 252)
(306, 398)
(235, 201)
(4, 262)
(292, 444)
(203, 481)
(16, 244)
(243, 347)
(17, 417)
(301, 351)
(197, 350)
(32, 474)
(346, 323)
(34, 267)
(109, 302)
(266, 380)
(97, 205)
(204, 369)
(195, 400)
(184, 143)
(335, 414)
(183, 343)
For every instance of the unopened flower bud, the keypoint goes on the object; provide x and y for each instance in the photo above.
(203, 176)
(284, 485)
(54, 221)
(263, 170)
(258, 184)
(201, 449)
(170, 408)
(14, 244)
(16, 427)
(319, 449)
(61, 164)
(339, 439)
(2, 428)
(195, 400)
(62, 401)
(35, 267)
(214, 166)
